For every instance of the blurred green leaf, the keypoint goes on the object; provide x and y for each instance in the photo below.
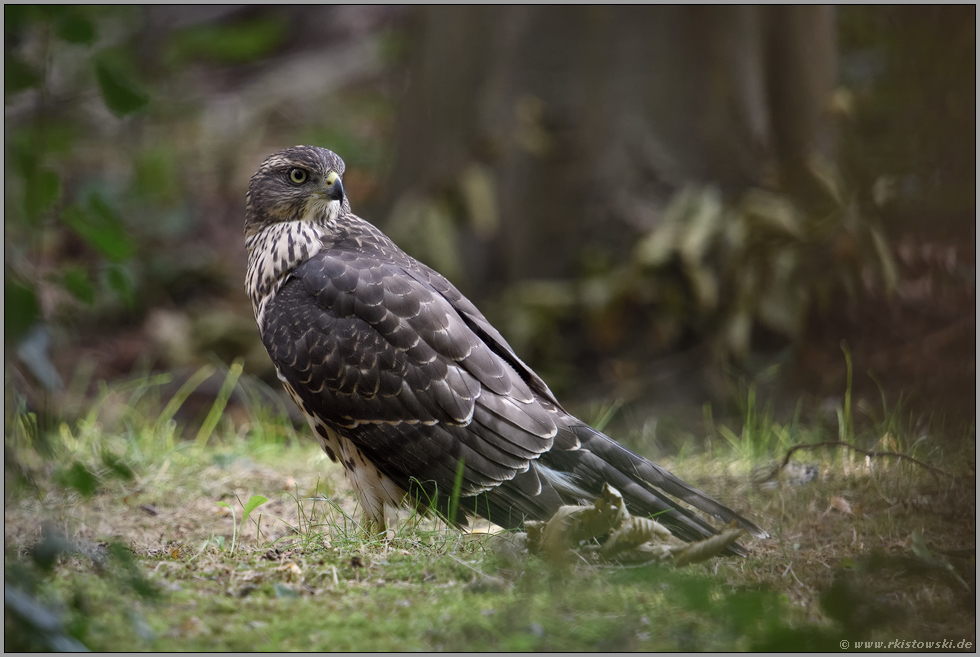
(132, 575)
(828, 177)
(283, 591)
(689, 226)
(156, 174)
(15, 17)
(701, 222)
(76, 29)
(18, 75)
(52, 544)
(28, 143)
(20, 309)
(656, 248)
(121, 94)
(737, 332)
(101, 227)
(704, 286)
(80, 478)
(887, 265)
(117, 466)
(52, 12)
(773, 212)
(805, 639)
(119, 281)
(244, 42)
(23, 153)
(76, 281)
(41, 188)
(478, 189)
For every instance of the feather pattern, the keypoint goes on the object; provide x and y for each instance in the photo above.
(405, 382)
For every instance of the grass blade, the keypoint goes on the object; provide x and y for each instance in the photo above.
(219, 403)
(457, 489)
(189, 386)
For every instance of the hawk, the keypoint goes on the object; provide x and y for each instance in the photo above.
(408, 385)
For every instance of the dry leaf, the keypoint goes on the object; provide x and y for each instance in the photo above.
(290, 572)
(193, 627)
(708, 548)
(841, 504)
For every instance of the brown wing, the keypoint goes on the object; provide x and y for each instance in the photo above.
(387, 361)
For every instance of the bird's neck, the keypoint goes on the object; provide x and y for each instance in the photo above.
(273, 252)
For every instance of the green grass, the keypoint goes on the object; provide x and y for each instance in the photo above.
(164, 553)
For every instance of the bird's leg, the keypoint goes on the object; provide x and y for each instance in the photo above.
(372, 525)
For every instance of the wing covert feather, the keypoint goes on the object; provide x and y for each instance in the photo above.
(377, 354)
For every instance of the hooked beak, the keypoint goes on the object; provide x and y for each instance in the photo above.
(333, 189)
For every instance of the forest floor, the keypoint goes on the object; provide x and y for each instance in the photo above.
(131, 539)
(117, 537)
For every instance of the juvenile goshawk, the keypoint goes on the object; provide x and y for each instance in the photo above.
(408, 385)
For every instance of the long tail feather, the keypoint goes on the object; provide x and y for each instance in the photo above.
(643, 470)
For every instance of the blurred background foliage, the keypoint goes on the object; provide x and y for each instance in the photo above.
(648, 202)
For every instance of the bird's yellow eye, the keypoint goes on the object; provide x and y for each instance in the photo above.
(297, 176)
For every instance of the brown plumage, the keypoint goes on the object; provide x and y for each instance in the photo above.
(407, 384)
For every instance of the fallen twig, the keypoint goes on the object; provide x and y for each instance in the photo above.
(936, 472)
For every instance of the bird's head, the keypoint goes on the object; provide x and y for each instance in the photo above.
(299, 183)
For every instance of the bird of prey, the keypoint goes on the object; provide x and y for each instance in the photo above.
(408, 385)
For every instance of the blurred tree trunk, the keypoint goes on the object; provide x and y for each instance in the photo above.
(564, 131)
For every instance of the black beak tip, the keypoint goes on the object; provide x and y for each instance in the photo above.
(336, 191)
